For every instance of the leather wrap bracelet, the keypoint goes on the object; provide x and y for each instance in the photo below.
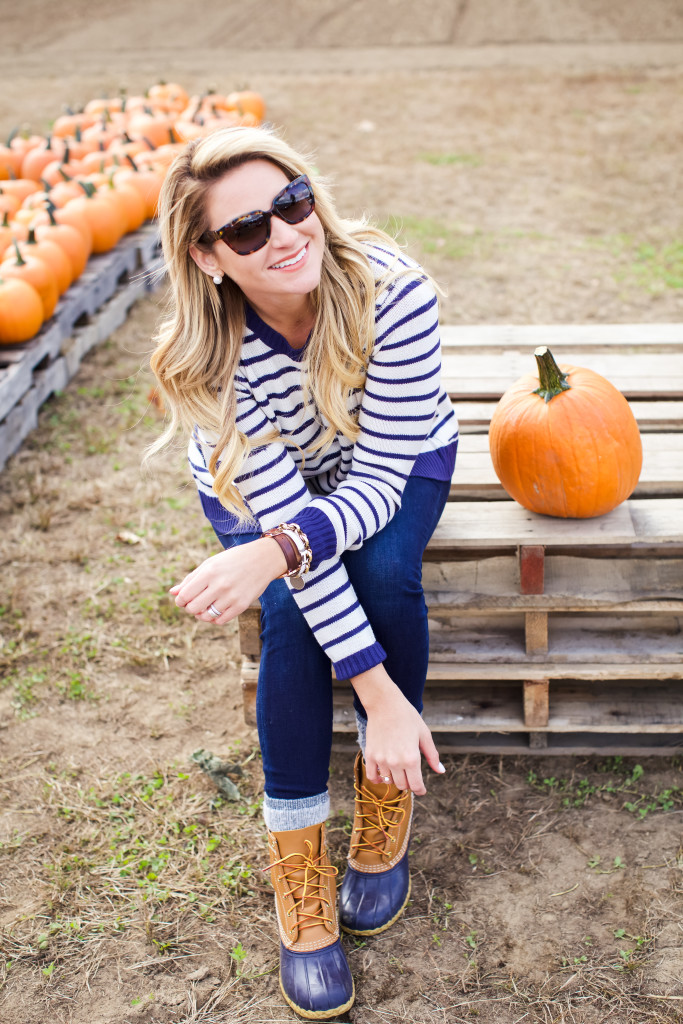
(296, 549)
(289, 550)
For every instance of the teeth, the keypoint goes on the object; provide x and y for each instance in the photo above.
(288, 263)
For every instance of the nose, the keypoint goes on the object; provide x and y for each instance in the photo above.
(282, 234)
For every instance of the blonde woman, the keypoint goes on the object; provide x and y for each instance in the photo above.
(302, 355)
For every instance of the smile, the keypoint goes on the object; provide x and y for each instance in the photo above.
(290, 263)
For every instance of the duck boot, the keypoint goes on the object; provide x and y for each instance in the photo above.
(314, 976)
(376, 886)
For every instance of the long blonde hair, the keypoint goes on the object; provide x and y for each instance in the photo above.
(199, 342)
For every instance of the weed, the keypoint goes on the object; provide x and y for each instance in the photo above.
(448, 159)
(578, 793)
(434, 236)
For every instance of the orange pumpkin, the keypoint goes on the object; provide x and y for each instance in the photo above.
(49, 252)
(37, 273)
(102, 216)
(565, 443)
(67, 236)
(248, 102)
(21, 311)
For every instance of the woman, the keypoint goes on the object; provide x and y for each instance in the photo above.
(303, 354)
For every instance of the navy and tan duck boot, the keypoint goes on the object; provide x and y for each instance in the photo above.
(376, 886)
(314, 976)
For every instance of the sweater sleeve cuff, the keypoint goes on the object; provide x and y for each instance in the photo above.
(320, 533)
(361, 662)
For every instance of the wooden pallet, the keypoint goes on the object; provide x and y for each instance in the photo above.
(86, 315)
(550, 635)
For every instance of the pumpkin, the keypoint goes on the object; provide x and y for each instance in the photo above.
(36, 273)
(102, 216)
(21, 311)
(70, 238)
(565, 443)
(49, 252)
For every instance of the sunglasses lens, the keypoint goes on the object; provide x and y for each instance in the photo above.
(295, 202)
(247, 234)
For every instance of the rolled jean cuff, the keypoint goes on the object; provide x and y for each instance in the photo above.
(287, 815)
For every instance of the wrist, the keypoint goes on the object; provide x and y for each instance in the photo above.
(374, 687)
(273, 555)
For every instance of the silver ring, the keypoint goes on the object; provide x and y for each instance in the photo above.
(212, 610)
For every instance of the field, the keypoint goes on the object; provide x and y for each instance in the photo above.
(538, 184)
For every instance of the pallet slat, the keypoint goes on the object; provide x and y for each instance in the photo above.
(591, 337)
(91, 309)
(652, 417)
(662, 472)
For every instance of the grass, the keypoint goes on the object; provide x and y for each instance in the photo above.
(623, 785)
(451, 159)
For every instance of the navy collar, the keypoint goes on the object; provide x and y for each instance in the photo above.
(270, 337)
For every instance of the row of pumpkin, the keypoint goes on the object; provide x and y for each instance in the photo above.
(96, 176)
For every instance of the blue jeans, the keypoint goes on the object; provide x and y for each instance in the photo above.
(294, 696)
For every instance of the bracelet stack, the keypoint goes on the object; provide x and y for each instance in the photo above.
(296, 549)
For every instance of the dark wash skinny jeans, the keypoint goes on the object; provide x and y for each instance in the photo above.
(294, 696)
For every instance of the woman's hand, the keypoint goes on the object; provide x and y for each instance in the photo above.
(230, 580)
(396, 733)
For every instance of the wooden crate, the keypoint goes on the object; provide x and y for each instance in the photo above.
(551, 635)
(91, 309)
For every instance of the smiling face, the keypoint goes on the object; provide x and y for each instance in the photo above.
(280, 276)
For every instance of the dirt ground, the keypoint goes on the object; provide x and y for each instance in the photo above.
(530, 156)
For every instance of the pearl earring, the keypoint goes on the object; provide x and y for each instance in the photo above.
(217, 278)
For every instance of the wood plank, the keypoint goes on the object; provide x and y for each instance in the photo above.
(657, 521)
(476, 376)
(598, 639)
(663, 417)
(498, 707)
(536, 632)
(474, 674)
(536, 703)
(559, 745)
(662, 472)
(531, 568)
(505, 524)
(623, 708)
(250, 631)
(562, 336)
(572, 583)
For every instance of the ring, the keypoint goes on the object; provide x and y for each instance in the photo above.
(386, 778)
(212, 610)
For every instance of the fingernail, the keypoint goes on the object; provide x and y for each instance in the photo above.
(441, 768)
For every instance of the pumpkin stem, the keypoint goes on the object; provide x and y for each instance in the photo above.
(553, 381)
(20, 259)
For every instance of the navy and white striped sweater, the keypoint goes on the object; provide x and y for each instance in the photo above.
(348, 493)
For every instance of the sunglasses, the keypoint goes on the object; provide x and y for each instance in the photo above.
(251, 231)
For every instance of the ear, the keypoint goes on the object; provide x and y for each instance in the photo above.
(206, 261)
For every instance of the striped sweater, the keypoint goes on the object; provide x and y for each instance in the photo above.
(349, 492)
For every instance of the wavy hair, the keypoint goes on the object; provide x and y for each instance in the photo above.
(198, 343)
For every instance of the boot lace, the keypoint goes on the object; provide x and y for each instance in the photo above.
(381, 815)
(308, 889)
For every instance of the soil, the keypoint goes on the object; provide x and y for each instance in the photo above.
(530, 155)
